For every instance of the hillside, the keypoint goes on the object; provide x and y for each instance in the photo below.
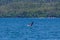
(29, 8)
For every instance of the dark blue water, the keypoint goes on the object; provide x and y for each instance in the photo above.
(17, 29)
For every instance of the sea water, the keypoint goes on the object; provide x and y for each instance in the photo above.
(17, 29)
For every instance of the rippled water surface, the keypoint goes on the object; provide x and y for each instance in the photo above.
(17, 29)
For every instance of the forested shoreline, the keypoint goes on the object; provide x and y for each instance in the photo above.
(29, 8)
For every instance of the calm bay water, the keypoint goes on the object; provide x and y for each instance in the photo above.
(17, 29)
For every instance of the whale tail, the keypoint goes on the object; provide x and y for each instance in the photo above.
(30, 24)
